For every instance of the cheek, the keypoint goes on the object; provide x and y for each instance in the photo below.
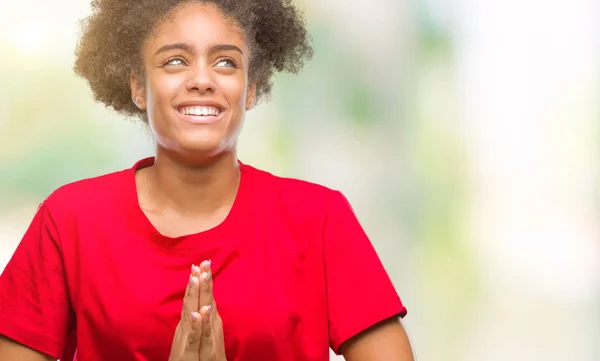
(160, 90)
(233, 87)
(163, 88)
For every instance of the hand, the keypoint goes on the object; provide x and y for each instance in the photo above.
(188, 334)
(212, 345)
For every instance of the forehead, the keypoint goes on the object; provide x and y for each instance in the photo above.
(199, 25)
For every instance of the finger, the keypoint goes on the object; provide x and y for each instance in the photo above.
(190, 300)
(214, 310)
(194, 339)
(206, 343)
(206, 289)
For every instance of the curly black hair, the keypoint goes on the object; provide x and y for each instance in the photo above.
(110, 46)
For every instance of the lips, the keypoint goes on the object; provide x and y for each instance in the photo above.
(200, 110)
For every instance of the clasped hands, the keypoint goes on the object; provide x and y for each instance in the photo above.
(199, 333)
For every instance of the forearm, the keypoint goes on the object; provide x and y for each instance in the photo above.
(383, 342)
(11, 350)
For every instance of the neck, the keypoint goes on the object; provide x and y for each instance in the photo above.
(193, 189)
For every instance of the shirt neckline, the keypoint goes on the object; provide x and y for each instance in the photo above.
(220, 233)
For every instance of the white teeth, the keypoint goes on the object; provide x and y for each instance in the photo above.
(203, 111)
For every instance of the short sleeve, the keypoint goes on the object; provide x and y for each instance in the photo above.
(360, 293)
(34, 304)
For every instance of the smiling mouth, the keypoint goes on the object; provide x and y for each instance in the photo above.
(200, 111)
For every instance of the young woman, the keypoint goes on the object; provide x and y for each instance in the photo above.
(102, 270)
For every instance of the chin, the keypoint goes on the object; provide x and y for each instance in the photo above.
(199, 143)
(201, 148)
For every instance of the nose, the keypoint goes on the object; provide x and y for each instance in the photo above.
(200, 80)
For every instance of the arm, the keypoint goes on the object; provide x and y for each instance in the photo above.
(385, 341)
(363, 307)
(35, 308)
(11, 350)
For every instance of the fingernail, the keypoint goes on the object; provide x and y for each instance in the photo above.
(208, 264)
(192, 270)
(207, 308)
(206, 276)
(192, 281)
(195, 316)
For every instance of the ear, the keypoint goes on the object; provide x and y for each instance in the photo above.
(251, 96)
(138, 91)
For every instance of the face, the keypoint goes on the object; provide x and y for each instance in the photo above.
(196, 91)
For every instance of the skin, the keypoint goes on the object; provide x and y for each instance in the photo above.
(196, 174)
(199, 334)
(193, 183)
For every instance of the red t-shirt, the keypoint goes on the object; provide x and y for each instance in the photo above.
(294, 273)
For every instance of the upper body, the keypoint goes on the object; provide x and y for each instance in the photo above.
(294, 273)
(102, 267)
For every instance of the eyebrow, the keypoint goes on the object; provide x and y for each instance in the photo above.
(188, 48)
(169, 47)
(227, 47)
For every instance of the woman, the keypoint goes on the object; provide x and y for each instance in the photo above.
(102, 269)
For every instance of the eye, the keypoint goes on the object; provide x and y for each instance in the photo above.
(176, 61)
(227, 62)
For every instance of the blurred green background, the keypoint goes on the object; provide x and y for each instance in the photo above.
(465, 134)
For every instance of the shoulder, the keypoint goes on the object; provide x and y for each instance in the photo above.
(294, 201)
(292, 191)
(94, 192)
